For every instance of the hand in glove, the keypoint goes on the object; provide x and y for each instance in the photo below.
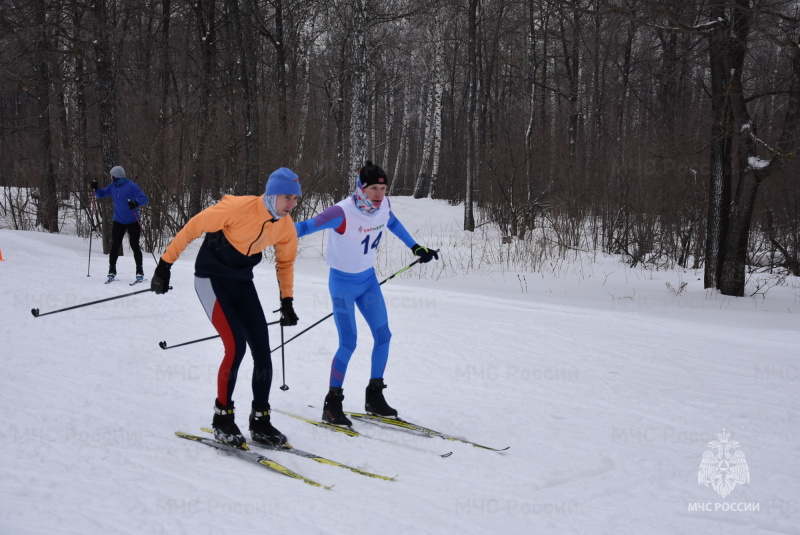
(160, 281)
(288, 317)
(94, 185)
(425, 255)
(132, 204)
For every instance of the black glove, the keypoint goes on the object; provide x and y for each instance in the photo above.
(132, 204)
(94, 185)
(288, 317)
(160, 281)
(425, 254)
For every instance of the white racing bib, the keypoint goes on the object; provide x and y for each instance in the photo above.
(354, 250)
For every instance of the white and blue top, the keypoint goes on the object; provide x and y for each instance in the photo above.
(356, 234)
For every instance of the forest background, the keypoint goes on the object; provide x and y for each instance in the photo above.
(661, 131)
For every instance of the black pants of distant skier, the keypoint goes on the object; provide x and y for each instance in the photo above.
(118, 231)
(235, 312)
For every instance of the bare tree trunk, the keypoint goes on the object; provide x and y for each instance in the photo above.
(338, 100)
(570, 41)
(751, 169)
(245, 64)
(530, 175)
(719, 192)
(75, 106)
(277, 37)
(63, 161)
(403, 140)
(419, 183)
(47, 213)
(205, 14)
(303, 115)
(472, 99)
(105, 90)
(82, 131)
(280, 63)
(432, 138)
(159, 195)
(437, 135)
(438, 89)
(360, 98)
(387, 131)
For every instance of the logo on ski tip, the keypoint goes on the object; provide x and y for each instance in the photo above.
(721, 469)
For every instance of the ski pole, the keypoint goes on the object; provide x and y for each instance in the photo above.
(91, 231)
(284, 386)
(387, 279)
(141, 229)
(163, 344)
(36, 314)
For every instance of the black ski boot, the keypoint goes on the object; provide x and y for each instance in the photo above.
(374, 402)
(139, 273)
(112, 272)
(225, 428)
(261, 429)
(332, 410)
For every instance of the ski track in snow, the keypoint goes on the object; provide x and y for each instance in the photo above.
(608, 404)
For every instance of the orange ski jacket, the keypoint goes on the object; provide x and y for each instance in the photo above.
(238, 229)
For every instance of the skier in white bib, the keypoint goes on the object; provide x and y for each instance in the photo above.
(357, 224)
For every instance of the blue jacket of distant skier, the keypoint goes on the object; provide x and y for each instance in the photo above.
(121, 191)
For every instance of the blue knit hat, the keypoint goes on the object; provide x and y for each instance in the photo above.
(283, 182)
(118, 172)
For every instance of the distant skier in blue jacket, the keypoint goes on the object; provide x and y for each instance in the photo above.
(357, 225)
(127, 198)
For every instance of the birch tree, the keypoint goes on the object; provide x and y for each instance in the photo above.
(432, 138)
(402, 144)
(389, 126)
(438, 91)
(426, 117)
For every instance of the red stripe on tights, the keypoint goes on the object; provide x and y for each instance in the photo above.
(220, 323)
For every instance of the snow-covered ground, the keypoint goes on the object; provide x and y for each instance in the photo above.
(607, 385)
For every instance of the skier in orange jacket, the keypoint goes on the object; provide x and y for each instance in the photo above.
(238, 229)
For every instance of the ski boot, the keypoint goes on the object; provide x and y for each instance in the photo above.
(139, 274)
(375, 403)
(261, 430)
(332, 409)
(112, 272)
(225, 428)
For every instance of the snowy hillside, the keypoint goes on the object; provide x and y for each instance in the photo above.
(607, 385)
